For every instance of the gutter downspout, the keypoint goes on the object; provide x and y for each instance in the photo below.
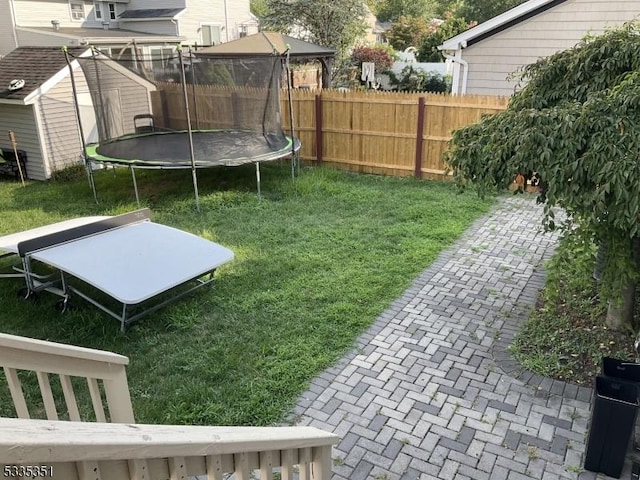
(226, 20)
(465, 69)
(13, 20)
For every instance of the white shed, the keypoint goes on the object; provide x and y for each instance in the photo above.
(42, 114)
(486, 56)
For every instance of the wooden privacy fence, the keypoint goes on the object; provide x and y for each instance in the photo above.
(388, 133)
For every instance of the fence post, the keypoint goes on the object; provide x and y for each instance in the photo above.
(319, 128)
(418, 165)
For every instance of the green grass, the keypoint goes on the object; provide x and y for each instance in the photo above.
(566, 336)
(317, 260)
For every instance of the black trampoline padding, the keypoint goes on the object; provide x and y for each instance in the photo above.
(210, 148)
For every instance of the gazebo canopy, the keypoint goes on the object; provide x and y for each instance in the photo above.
(273, 43)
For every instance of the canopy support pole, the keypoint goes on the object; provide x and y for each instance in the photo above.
(87, 165)
(194, 175)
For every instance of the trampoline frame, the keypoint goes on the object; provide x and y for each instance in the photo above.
(95, 158)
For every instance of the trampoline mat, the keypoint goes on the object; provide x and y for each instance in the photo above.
(171, 149)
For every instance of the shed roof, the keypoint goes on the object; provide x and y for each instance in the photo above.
(505, 20)
(34, 65)
(267, 43)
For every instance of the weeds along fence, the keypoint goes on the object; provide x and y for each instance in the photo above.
(388, 133)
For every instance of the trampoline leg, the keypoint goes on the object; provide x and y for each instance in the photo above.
(92, 183)
(135, 185)
(194, 178)
(258, 180)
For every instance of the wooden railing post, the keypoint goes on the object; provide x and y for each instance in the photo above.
(419, 134)
(319, 128)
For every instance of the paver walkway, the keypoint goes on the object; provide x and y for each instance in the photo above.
(431, 392)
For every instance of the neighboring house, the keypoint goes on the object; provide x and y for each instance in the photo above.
(42, 114)
(376, 30)
(155, 26)
(486, 55)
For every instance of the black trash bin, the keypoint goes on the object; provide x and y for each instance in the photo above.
(613, 417)
(621, 369)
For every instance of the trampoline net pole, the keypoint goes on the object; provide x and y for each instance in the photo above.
(292, 127)
(76, 107)
(189, 130)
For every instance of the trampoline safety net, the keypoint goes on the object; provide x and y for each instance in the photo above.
(184, 111)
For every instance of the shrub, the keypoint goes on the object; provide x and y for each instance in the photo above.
(380, 56)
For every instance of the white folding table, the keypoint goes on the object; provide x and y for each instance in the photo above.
(129, 258)
(9, 243)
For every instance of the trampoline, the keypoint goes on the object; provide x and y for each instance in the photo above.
(211, 148)
(192, 112)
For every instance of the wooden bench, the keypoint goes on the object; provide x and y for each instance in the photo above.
(86, 450)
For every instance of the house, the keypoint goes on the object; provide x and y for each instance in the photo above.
(42, 114)
(155, 26)
(375, 29)
(486, 56)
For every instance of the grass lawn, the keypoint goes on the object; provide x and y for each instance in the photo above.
(317, 260)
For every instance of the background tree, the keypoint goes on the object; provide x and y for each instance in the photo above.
(577, 123)
(392, 10)
(452, 26)
(408, 32)
(334, 24)
(482, 10)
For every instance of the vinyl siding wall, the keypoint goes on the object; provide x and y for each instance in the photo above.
(212, 12)
(41, 12)
(21, 121)
(59, 125)
(492, 60)
(7, 39)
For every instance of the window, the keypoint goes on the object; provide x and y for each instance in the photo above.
(243, 31)
(211, 34)
(112, 11)
(77, 10)
(97, 10)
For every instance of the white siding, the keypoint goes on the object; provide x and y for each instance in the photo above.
(492, 60)
(20, 120)
(32, 13)
(213, 12)
(59, 126)
(7, 33)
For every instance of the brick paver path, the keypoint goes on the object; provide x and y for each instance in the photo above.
(431, 392)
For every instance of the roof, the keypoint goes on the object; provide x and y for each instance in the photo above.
(35, 65)
(267, 43)
(150, 13)
(100, 35)
(501, 22)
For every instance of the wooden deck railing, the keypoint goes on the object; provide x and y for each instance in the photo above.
(81, 450)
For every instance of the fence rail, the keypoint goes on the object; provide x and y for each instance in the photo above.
(389, 133)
